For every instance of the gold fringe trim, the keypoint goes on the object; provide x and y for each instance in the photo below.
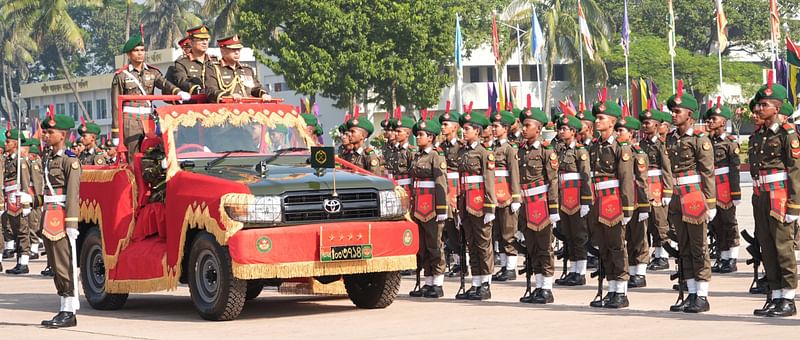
(313, 268)
(232, 226)
(99, 176)
(166, 282)
(313, 287)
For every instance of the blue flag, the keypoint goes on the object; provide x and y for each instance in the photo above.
(537, 38)
(459, 43)
(626, 30)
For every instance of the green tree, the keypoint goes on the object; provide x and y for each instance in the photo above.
(225, 14)
(165, 21)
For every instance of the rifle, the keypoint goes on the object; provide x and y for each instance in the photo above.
(528, 273)
(756, 258)
(463, 260)
(678, 306)
(600, 273)
(564, 254)
(713, 244)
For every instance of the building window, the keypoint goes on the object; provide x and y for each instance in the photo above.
(88, 105)
(60, 109)
(512, 73)
(102, 112)
(73, 110)
(490, 74)
(529, 73)
(474, 74)
(560, 72)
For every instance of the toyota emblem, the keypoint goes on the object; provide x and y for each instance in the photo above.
(332, 205)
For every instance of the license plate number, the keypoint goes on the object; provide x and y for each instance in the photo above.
(344, 253)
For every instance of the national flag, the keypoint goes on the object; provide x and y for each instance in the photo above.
(493, 99)
(671, 34)
(626, 31)
(587, 36)
(644, 91)
(792, 52)
(459, 43)
(495, 39)
(501, 95)
(722, 30)
(794, 84)
(775, 22)
(537, 38)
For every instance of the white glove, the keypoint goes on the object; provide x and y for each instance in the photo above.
(711, 214)
(26, 212)
(737, 202)
(2, 212)
(625, 220)
(266, 97)
(555, 218)
(24, 197)
(790, 218)
(584, 210)
(515, 207)
(665, 201)
(115, 141)
(184, 95)
(488, 218)
(643, 216)
(73, 233)
(458, 222)
(441, 218)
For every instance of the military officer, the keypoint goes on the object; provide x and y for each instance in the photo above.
(60, 222)
(7, 234)
(37, 187)
(507, 191)
(428, 172)
(477, 204)
(660, 183)
(776, 154)
(575, 197)
(451, 148)
(185, 45)
(92, 154)
(136, 78)
(694, 205)
(190, 68)
(585, 136)
(539, 182)
(228, 78)
(726, 175)
(362, 155)
(18, 198)
(614, 201)
(403, 153)
(312, 124)
(387, 150)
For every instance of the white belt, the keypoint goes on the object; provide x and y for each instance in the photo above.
(473, 179)
(404, 181)
(654, 173)
(569, 176)
(722, 171)
(688, 180)
(452, 175)
(501, 173)
(11, 188)
(781, 176)
(55, 198)
(137, 109)
(607, 184)
(535, 191)
(425, 184)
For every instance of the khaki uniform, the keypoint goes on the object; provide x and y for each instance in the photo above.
(507, 191)
(37, 186)
(388, 152)
(451, 150)
(15, 204)
(776, 151)
(365, 158)
(400, 165)
(92, 157)
(726, 175)
(692, 161)
(660, 183)
(223, 80)
(636, 231)
(575, 177)
(614, 199)
(477, 198)
(428, 172)
(538, 167)
(190, 73)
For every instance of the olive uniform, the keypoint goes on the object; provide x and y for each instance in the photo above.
(366, 158)
(400, 165)
(660, 182)
(636, 231)
(451, 150)
(724, 225)
(224, 80)
(18, 198)
(190, 73)
(507, 192)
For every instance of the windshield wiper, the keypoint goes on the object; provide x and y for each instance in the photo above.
(219, 159)
(280, 152)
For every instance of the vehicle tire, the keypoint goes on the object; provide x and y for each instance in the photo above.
(254, 288)
(93, 275)
(372, 290)
(216, 294)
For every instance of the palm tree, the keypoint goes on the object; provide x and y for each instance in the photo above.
(225, 14)
(559, 20)
(51, 25)
(19, 49)
(170, 19)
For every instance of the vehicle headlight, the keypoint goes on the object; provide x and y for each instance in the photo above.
(394, 203)
(263, 209)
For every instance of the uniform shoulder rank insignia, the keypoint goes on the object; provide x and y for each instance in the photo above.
(75, 165)
(443, 166)
(732, 138)
(706, 146)
(626, 157)
(788, 127)
(153, 67)
(368, 150)
(546, 143)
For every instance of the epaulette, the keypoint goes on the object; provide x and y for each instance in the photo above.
(788, 127)
(580, 146)
(701, 134)
(121, 69)
(153, 67)
(637, 148)
(732, 138)
(546, 143)
(622, 143)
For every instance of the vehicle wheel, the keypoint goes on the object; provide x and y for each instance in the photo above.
(254, 288)
(93, 275)
(372, 290)
(216, 294)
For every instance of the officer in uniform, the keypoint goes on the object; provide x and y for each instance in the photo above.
(136, 78)
(726, 175)
(91, 155)
(403, 153)
(777, 153)
(37, 187)
(428, 172)
(185, 45)
(346, 148)
(614, 201)
(362, 155)
(228, 78)
(538, 165)
(575, 197)
(585, 136)
(18, 199)
(190, 68)
(477, 204)
(694, 205)
(60, 222)
(451, 148)
(388, 150)
(507, 192)
(660, 183)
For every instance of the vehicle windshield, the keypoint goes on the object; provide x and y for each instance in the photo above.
(252, 139)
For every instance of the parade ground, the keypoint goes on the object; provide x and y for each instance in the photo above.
(26, 300)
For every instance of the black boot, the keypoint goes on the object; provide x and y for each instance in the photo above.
(34, 256)
(482, 293)
(529, 298)
(8, 253)
(501, 275)
(419, 292)
(465, 295)
(680, 306)
(658, 263)
(591, 262)
(18, 269)
(575, 280)
(761, 287)
(619, 301)
(48, 272)
(768, 307)
(637, 281)
(435, 292)
(728, 266)
(717, 265)
(560, 281)
(784, 307)
(605, 300)
(62, 320)
(699, 305)
(545, 296)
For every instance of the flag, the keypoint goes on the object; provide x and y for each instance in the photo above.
(643, 103)
(671, 34)
(493, 98)
(775, 22)
(794, 84)
(459, 45)
(722, 23)
(635, 95)
(495, 39)
(792, 52)
(626, 30)
(587, 36)
(537, 38)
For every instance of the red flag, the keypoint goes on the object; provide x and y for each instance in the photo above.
(495, 39)
(775, 22)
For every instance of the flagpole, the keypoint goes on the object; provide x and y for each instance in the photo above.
(626, 47)
(583, 82)
(519, 57)
(719, 54)
(459, 71)
(537, 57)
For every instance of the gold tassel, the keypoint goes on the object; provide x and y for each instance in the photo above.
(313, 268)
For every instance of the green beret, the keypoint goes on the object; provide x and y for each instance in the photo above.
(652, 114)
(586, 115)
(389, 124)
(608, 108)
(630, 123)
(59, 122)
(504, 117)
(309, 118)
(15, 134)
(35, 149)
(89, 128)
(318, 130)
(752, 104)
(31, 142)
(686, 101)
(449, 117)
(431, 126)
(474, 119)
(534, 114)
(342, 128)
(723, 112)
(135, 40)
(786, 109)
(364, 124)
(404, 122)
(515, 112)
(776, 92)
(569, 120)
(666, 117)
